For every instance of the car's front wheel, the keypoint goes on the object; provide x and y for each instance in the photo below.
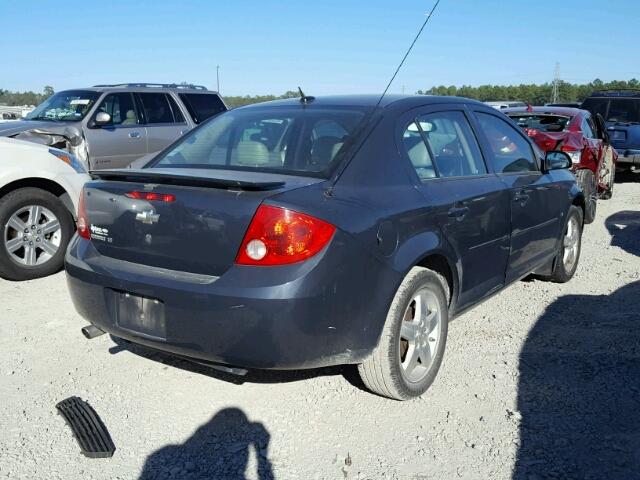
(35, 228)
(412, 344)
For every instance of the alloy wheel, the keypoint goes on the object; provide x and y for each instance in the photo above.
(571, 242)
(419, 335)
(32, 236)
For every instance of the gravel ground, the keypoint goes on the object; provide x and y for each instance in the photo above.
(542, 381)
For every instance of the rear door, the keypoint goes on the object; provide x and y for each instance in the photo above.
(121, 141)
(163, 119)
(470, 203)
(537, 202)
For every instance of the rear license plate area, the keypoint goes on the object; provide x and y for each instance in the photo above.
(140, 315)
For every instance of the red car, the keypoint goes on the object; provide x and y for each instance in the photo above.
(583, 137)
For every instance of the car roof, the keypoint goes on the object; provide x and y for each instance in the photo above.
(564, 111)
(368, 100)
(624, 92)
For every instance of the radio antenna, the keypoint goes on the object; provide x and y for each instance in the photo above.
(407, 54)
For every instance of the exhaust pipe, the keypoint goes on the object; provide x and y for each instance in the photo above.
(91, 331)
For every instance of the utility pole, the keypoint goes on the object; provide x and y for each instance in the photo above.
(218, 78)
(555, 95)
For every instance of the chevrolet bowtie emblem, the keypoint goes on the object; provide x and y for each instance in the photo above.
(148, 217)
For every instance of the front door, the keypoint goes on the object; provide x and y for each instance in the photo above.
(470, 203)
(535, 199)
(122, 140)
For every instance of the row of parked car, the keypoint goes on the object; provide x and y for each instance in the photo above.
(298, 233)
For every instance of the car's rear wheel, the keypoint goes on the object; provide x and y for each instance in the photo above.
(587, 181)
(566, 262)
(35, 228)
(413, 340)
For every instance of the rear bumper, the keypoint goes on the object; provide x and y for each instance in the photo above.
(328, 310)
(629, 158)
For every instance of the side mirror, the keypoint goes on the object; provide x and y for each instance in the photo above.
(102, 118)
(557, 160)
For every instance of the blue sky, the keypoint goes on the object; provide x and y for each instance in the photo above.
(325, 46)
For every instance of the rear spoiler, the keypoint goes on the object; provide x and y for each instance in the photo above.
(164, 178)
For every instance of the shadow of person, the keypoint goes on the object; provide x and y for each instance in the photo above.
(624, 227)
(579, 390)
(219, 449)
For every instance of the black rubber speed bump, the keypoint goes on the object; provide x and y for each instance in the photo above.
(93, 437)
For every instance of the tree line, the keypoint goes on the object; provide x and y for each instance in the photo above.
(529, 93)
(13, 99)
(532, 93)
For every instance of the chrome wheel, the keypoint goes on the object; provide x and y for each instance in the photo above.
(571, 242)
(32, 235)
(419, 335)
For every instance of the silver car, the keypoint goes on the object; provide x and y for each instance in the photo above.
(110, 126)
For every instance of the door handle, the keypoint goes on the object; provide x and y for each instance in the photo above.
(522, 196)
(134, 135)
(458, 212)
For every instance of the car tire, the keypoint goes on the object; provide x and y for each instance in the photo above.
(26, 251)
(415, 328)
(587, 181)
(563, 271)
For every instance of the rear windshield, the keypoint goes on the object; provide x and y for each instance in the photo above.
(202, 105)
(298, 140)
(624, 110)
(544, 123)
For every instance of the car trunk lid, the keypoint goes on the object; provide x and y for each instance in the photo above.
(195, 222)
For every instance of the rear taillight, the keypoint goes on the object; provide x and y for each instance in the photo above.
(279, 236)
(83, 221)
(152, 196)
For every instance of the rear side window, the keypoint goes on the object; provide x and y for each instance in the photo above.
(624, 110)
(202, 106)
(177, 114)
(157, 108)
(443, 145)
(289, 140)
(511, 151)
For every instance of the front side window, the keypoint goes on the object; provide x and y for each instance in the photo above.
(156, 108)
(121, 108)
(281, 139)
(443, 145)
(511, 151)
(68, 106)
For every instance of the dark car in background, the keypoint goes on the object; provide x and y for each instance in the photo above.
(322, 231)
(110, 126)
(583, 137)
(621, 111)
